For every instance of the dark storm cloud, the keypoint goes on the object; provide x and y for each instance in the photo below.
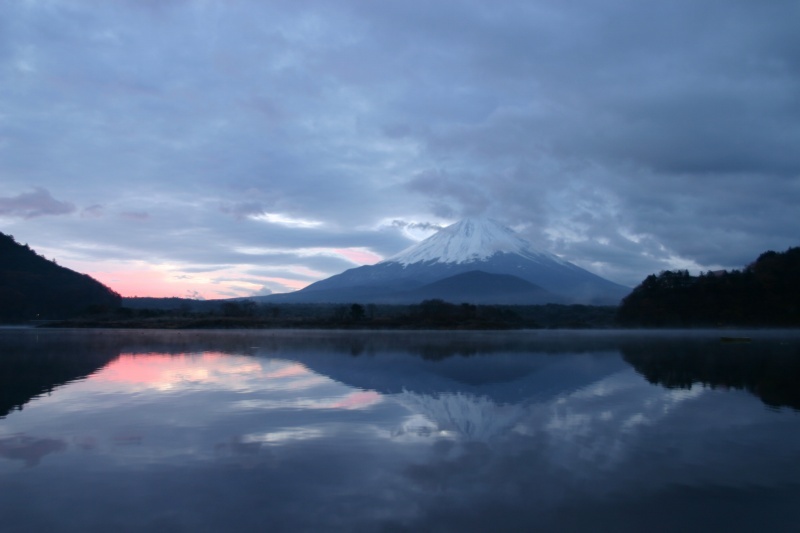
(682, 117)
(628, 137)
(34, 204)
(443, 189)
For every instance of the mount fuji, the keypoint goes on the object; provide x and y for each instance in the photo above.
(476, 260)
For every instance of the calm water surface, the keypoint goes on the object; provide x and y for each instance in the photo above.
(398, 431)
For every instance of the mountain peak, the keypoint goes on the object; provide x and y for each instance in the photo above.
(445, 264)
(469, 240)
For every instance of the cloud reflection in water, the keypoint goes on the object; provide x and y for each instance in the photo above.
(392, 441)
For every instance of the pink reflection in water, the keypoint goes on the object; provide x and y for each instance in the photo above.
(357, 400)
(179, 371)
(167, 370)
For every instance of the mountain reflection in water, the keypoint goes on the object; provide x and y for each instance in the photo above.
(321, 430)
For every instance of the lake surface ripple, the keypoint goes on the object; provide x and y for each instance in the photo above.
(399, 431)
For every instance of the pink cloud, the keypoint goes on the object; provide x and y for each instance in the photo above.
(359, 255)
(163, 283)
(155, 283)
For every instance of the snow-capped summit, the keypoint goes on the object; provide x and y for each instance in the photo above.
(476, 260)
(471, 239)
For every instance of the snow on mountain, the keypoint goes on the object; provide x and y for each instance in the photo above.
(471, 239)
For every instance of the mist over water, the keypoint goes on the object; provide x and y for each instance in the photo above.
(398, 431)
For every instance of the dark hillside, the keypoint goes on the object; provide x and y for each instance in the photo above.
(765, 293)
(32, 287)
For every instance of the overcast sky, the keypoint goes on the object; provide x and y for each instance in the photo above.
(228, 148)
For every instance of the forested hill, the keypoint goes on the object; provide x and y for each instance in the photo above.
(32, 287)
(765, 293)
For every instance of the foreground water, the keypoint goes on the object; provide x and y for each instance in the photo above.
(398, 431)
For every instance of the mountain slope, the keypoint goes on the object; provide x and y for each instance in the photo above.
(477, 287)
(469, 245)
(32, 287)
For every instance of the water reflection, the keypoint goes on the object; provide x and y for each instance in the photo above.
(29, 449)
(399, 431)
(470, 417)
(33, 364)
(768, 368)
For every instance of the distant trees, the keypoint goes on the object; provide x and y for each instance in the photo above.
(765, 293)
(429, 314)
(357, 312)
(240, 308)
(441, 314)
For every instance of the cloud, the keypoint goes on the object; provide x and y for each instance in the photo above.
(135, 215)
(416, 225)
(243, 209)
(284, 220)
(93, 211)
(465, 190)
(263, 291)
(625, 137)
(34, 204)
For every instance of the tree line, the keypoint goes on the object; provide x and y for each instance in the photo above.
(765, 293)
(428, 314)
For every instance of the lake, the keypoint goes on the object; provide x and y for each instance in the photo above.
(398, 431)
